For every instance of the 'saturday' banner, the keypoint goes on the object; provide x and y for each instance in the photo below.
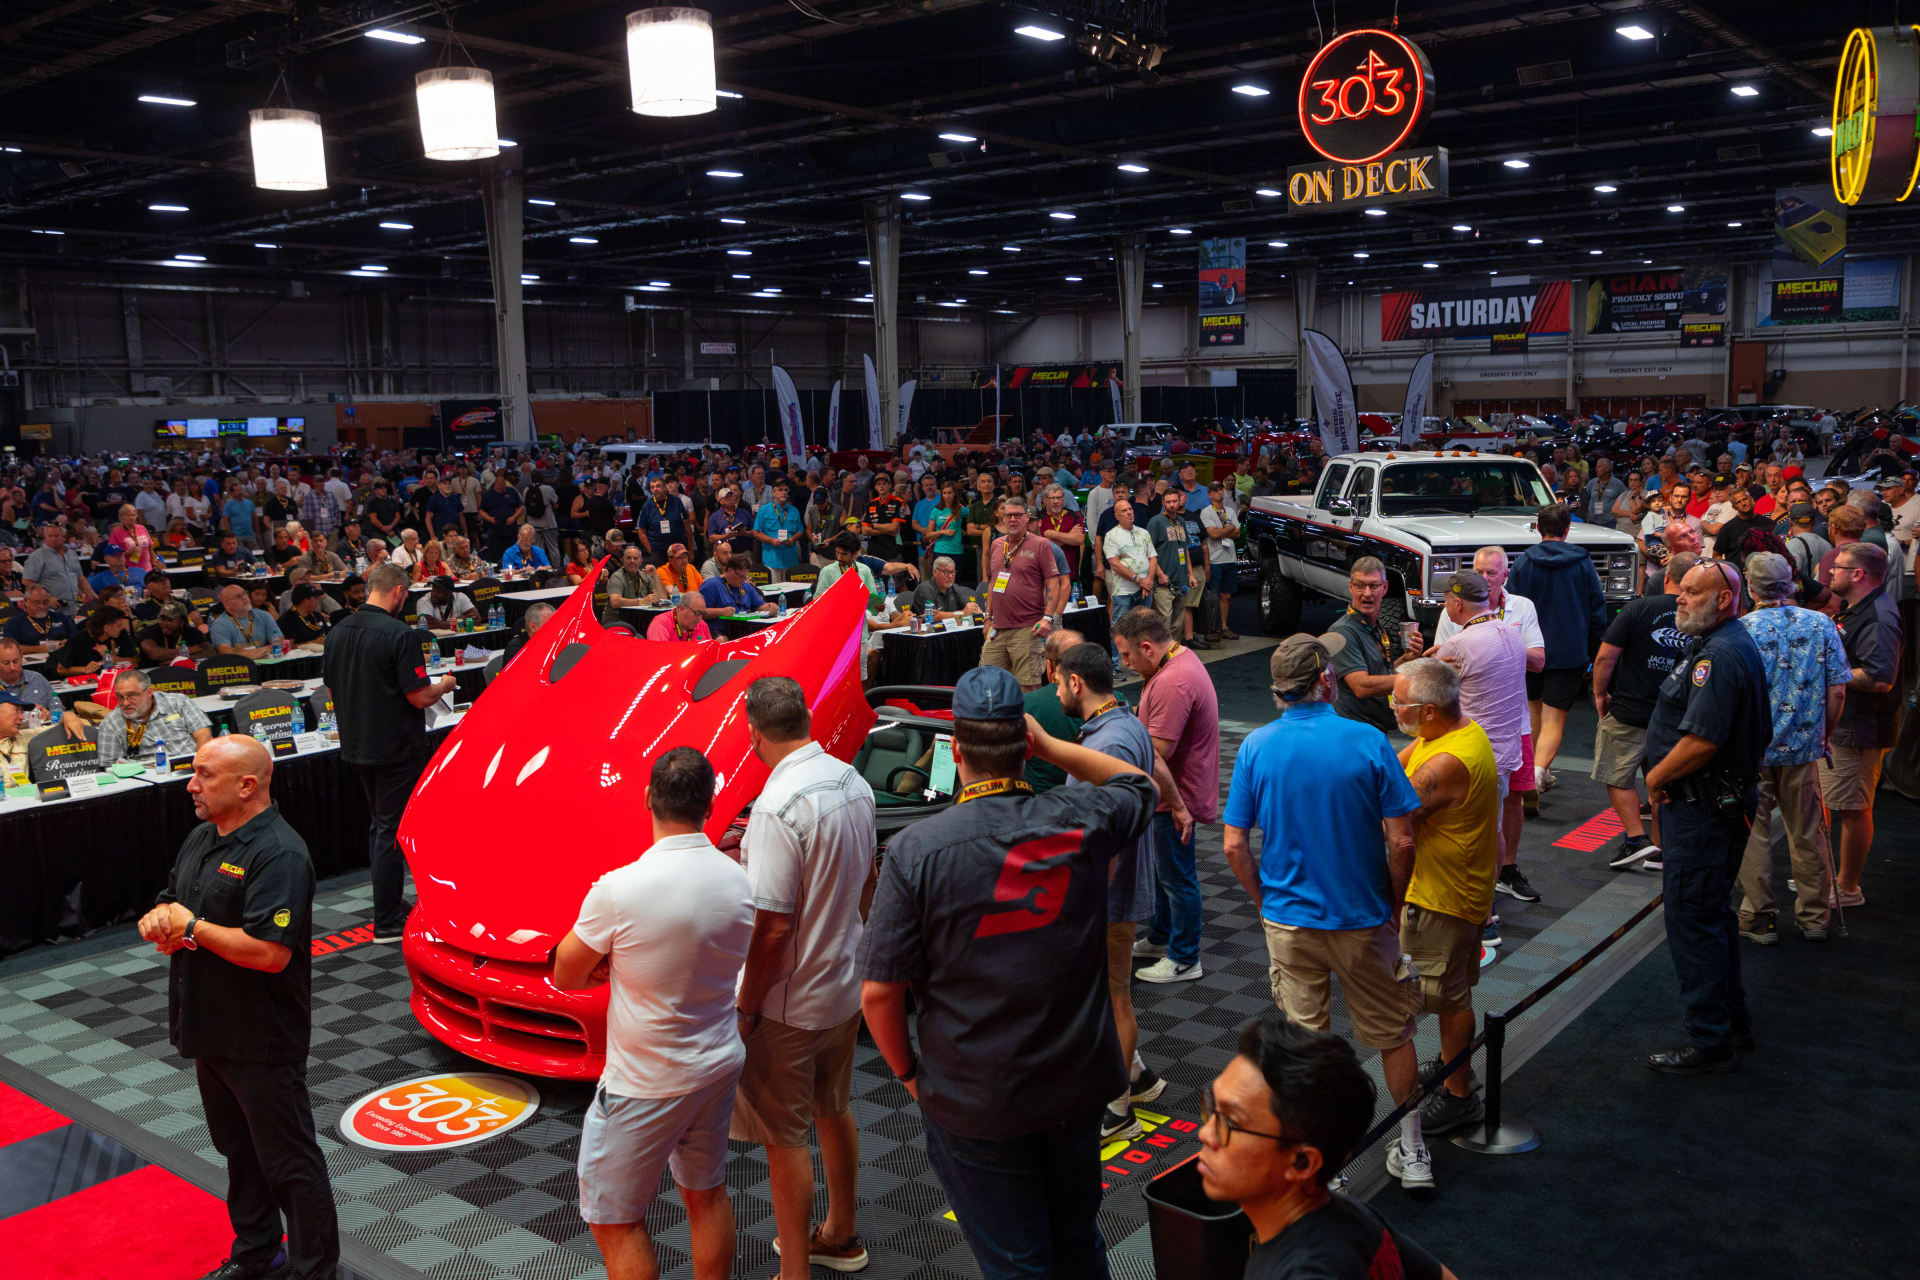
(1475, 312)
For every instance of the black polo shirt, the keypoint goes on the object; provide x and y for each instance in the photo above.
(1650, 644)
(241, 560)
(372, 662)
(259, 878)
(1370, 650)
(1870, 629)
(500, 504)
(1717, 691)
(190, 635)
(300, 630)
(995, 913)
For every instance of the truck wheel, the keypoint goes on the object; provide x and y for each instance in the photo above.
(1280, 599)
(1393, 612)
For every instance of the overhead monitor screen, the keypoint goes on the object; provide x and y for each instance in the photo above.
(203, 428)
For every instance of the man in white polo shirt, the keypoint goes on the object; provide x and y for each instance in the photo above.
(809, 853)
(670, 932)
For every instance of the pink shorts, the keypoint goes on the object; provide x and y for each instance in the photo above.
(1522, 779)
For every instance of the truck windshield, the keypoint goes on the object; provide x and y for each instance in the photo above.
(1460, 486)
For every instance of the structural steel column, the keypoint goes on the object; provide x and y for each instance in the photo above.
(883, 251)
(1130, 256)
(1306, 288)
(505, 205)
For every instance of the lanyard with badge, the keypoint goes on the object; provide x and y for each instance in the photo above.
(1086, 726)
(1379, 632)
(660, 509)
(993, 787)
(1004, 578)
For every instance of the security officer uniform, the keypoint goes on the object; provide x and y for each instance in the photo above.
(247, 1032)
(1717, 692)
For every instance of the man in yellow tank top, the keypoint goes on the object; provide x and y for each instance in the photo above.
(1456, 843)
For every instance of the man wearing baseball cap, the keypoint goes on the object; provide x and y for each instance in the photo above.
(1321, 787)
(1019, 1056)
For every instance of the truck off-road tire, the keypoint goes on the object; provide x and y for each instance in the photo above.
(1280, 599)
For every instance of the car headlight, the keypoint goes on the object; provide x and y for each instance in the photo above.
(1620, 577)
(1439, 570)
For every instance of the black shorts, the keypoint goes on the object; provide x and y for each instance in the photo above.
(1558, 687)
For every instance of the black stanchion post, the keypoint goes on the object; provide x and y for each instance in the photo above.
(1497, 1135)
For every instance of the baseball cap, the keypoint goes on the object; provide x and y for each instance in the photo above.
(305, 592)
(1469, 584)
(677, 549)
(1769, 576)
(1801, 512)
(1722, 482)
(14, 699)
(443, 583)
(1300, 659)
(988, 693)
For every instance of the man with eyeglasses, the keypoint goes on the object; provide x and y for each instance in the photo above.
(1279, 1123)
(1870, 629)
(1706, 741)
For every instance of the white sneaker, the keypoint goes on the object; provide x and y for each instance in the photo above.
(1413, 1168)
(1165, 970)
(1543, 779)
(1144, 947)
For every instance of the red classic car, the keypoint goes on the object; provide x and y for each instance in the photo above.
(539, 791)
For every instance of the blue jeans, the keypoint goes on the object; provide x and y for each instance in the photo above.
(1121, 603)
(1176, 893)
(1029, 1206)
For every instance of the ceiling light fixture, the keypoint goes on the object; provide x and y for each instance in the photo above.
(582, 240)
(1744, 91)
(741, 275)
(725, 173)
(1819, 131)
(916, 196)
(396, 226)
(179, 262)
(1062, 215)
(1733, 224)
(670, 61)
(1375, 213)
(167, 208)
(1431, 266)
(1010, 248)
(1359, 254)
(1676, 208)
(1179, 231)
(1268, 192)
(1461, 226)
(1046, 34)
(527, 277)
(1276, 244)
(958, 137)
(394, 37)
(161, 101)
(976, 271)
(456, 113)
(374, 267)
(1073, 279)
(289, 150)
(1130, 167)
(1516, 163)
(47, 231)
(265, 244)
(726, 93)
(544, 204)
(1251, 91)
(865, 262)
(739, 253)
(1634, 32)
(1157, 285)
(508, 142)
(191, 257)
(734, 222)
(1593, 253)
(1605, 188)
(1535, 240)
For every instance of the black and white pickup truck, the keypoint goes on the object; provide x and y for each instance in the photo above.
(1423, 514)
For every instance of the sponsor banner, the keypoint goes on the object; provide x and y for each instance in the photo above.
(1511, 343)
(1477, 311)
(1332, 392)
(1654, 300)
(793, 432)
(1703, 333)
(1223, 291)
(874, 440)
(439, 1112)
(1059, 377)
(1809, 233)
(1867, 290)
(470, 421)
(903, 404)
(833, 419)
(1328, 186)
(1419, 397)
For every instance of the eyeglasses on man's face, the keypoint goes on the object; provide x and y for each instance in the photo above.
(1209, 1113)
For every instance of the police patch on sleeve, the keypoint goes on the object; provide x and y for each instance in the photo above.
(1701, 670)
(282, 918)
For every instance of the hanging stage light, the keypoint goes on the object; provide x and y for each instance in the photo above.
(670, 61)
(456, 113)
(289, 152)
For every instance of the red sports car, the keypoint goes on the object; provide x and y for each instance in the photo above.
(539, 791)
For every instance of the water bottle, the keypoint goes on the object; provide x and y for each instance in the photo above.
(1076, 595)
(499, 614)
(259, 734)
(299, 720)
(327, 724)
(160, 757)
(273, 648)
(929, 624)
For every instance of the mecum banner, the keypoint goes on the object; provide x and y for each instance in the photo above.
(1332, 391)
(1419, 398)
(793, 432)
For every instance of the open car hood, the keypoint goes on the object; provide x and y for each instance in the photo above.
(540, 790)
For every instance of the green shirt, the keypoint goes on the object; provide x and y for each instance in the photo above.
(876, 598)
(1043, 704)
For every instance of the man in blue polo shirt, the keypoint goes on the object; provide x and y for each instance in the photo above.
(1319, 786)
(777, 527)
(731, 593)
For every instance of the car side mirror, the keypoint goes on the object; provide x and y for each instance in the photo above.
(1339, 507)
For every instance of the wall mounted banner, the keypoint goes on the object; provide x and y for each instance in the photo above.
(833, 419)
(1654, 300)
(1329, 186)
(1866, 291)
(1810, 233)
(1479, 311)
(793, 432)
(1332, 392)
(903, 403)
(1874, 154)
(1703, 333)
(1060, 377)
(1513, 343)
(1223, 292)
(1413, 418)
(471, 421)
(873, 405)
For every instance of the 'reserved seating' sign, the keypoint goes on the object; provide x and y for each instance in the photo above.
(52, 757)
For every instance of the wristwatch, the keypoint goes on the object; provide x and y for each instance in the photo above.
(186, 936)
(912, 1072)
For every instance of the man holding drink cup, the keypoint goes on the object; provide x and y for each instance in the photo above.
(1364, 668)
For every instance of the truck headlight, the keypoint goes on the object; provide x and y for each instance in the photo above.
(1439, 570)
(1620, 573)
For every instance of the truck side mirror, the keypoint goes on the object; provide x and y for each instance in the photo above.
(1339, 507)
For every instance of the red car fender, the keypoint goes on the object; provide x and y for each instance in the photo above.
(539, 791)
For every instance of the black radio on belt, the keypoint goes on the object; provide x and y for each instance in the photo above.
(1724, 795)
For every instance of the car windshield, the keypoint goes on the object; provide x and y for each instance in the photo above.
(1459, 486)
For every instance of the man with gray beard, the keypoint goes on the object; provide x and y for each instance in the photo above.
(1706, 741)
